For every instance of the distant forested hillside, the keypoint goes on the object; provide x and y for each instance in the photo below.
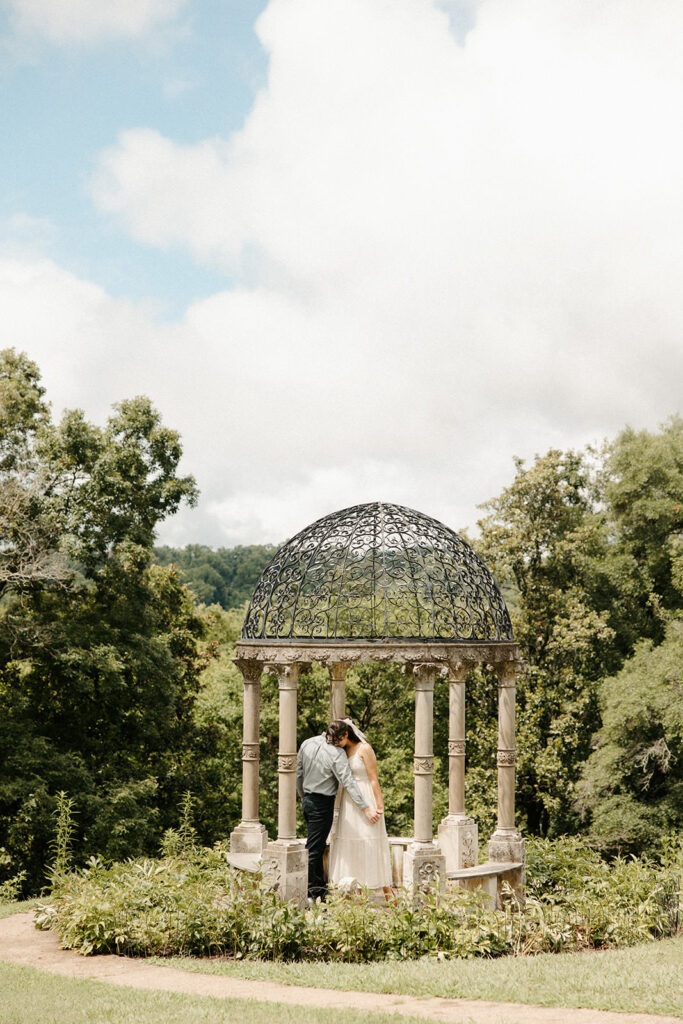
(225, 576)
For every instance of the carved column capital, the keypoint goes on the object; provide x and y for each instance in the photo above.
(337, 671)
(508, 671)
(251, 670)
(457, 671)
(456, 748)
(250, 751)
(287, 676)
(424, 676)
(506, 758)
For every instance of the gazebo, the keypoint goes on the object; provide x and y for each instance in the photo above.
(377, 583)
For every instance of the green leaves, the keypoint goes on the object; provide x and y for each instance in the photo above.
(193, 903)
(99, 649)
(632, 784)
(23, 410)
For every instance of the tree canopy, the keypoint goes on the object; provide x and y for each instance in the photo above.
(116, 679)
(99, 647)
(224, 576)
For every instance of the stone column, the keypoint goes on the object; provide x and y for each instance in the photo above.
(506, 844)
(458, 835)
(338, 672)
(250, 836)
(288, 861)
(424, 863)
(288, 678)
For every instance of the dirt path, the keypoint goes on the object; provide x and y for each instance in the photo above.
(21, 943)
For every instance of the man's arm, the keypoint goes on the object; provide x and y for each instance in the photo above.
(300, 775)
(344, 775)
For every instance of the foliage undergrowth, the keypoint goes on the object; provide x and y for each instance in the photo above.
(190, 901)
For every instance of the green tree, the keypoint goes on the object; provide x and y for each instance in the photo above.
(543, 534)
(631, 788)
(226, 576)
(592, 543)
(643, 492)
(99, 657)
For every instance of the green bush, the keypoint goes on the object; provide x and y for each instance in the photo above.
(617, 902)
(191, 902)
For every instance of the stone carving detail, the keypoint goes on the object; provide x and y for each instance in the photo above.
(506, 758)
(428, 872)
(424, 765)
(251, 671)
(424, 676)
(456, 748)
(507, 673)
(338, 672)
(271, 872)
(469, 850)
(353, 652)
(250, 751)
(286, 763)
(287, 676)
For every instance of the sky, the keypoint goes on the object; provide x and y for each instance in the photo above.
(353, 250)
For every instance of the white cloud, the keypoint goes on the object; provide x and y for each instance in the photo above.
(24, 234)
(86, 21)
(446, 255)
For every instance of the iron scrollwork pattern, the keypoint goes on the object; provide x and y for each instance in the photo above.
(377, 572)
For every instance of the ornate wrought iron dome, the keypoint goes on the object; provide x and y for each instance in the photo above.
(377, 572)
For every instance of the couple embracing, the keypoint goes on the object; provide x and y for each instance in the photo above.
(359, 848)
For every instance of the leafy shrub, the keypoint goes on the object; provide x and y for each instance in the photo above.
(191, 902)
(616, 902)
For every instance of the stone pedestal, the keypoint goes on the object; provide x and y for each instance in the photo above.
(424, 866)
(508, 847)
(285, 865)
(249, 837)
(459, 841)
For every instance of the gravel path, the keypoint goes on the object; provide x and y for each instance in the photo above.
(21, 943)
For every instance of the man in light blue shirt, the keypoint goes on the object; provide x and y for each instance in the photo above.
(321, 765)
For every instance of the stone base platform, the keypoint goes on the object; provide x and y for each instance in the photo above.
(244, 861)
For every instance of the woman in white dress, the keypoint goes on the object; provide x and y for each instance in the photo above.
(358, 849)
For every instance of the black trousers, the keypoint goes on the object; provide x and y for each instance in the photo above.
(318, 814)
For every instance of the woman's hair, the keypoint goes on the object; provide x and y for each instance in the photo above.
(339, 728)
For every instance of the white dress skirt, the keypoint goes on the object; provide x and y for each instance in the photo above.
(358, 849)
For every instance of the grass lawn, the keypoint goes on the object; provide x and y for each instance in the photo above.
(17, 908)
(646, 978)
(31, 996)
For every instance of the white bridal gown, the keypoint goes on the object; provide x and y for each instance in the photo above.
(359, 849)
